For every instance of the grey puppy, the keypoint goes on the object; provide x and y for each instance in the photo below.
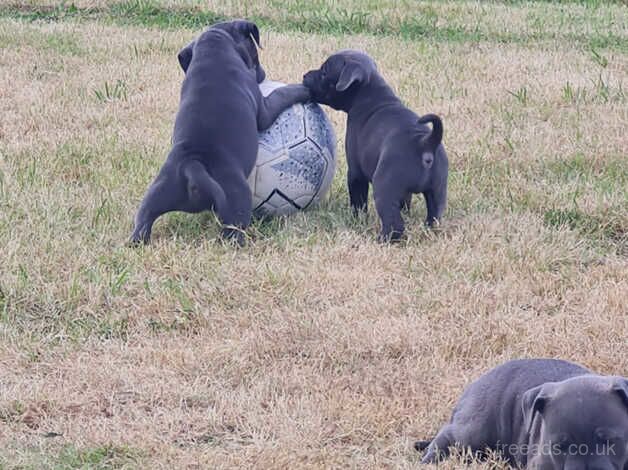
(541, 414)
(215, 139)
(386, 144)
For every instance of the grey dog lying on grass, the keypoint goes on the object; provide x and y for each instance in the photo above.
(386, 143)
(215, 140)
(540, 414)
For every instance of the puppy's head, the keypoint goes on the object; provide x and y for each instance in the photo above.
(245, 35)
(429, 143)
(582, 422)
(340, 76)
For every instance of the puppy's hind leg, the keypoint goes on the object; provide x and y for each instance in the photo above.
(235, 213)
(167, 193)
(389, 189)
(436, 202)
(389, 210)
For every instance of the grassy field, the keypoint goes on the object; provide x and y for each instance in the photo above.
(313, 346)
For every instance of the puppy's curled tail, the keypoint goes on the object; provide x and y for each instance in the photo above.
(434, 138)
(203, 190)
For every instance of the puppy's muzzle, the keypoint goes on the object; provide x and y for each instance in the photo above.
(309, 79)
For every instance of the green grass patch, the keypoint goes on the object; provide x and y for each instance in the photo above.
(112, 91)
(107, 457)
(607, 175)
(316, 18)
(148, 13)
(587, 224)
(60, 12)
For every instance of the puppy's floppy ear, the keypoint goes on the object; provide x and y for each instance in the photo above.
(620, 386)
(249, 29)
(185, 56)
(351, 73)
(254, 32)
(534, 401)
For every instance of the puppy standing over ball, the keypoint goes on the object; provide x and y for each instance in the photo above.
(540, 414)
(387, 144)
(215, 140)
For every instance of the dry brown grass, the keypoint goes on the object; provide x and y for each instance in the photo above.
(313, 347)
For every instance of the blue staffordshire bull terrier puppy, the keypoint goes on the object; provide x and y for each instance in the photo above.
(540, 414)
(215, 139)
(386, 144)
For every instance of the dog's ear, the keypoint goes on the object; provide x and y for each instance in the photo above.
(185, 56)
(620, 386)
(248, 29)
(351, 73)
(254, 33)
(534, 401)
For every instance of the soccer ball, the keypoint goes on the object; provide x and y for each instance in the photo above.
(296, 159)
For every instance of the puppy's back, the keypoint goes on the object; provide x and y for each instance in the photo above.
(493, 396)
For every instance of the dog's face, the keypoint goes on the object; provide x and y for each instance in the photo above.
(336, 82)
(245, 34)
(583, 423)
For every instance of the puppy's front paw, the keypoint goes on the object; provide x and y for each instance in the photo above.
(136, 242)
(140, 237)
(420, 446)
(301, 93)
